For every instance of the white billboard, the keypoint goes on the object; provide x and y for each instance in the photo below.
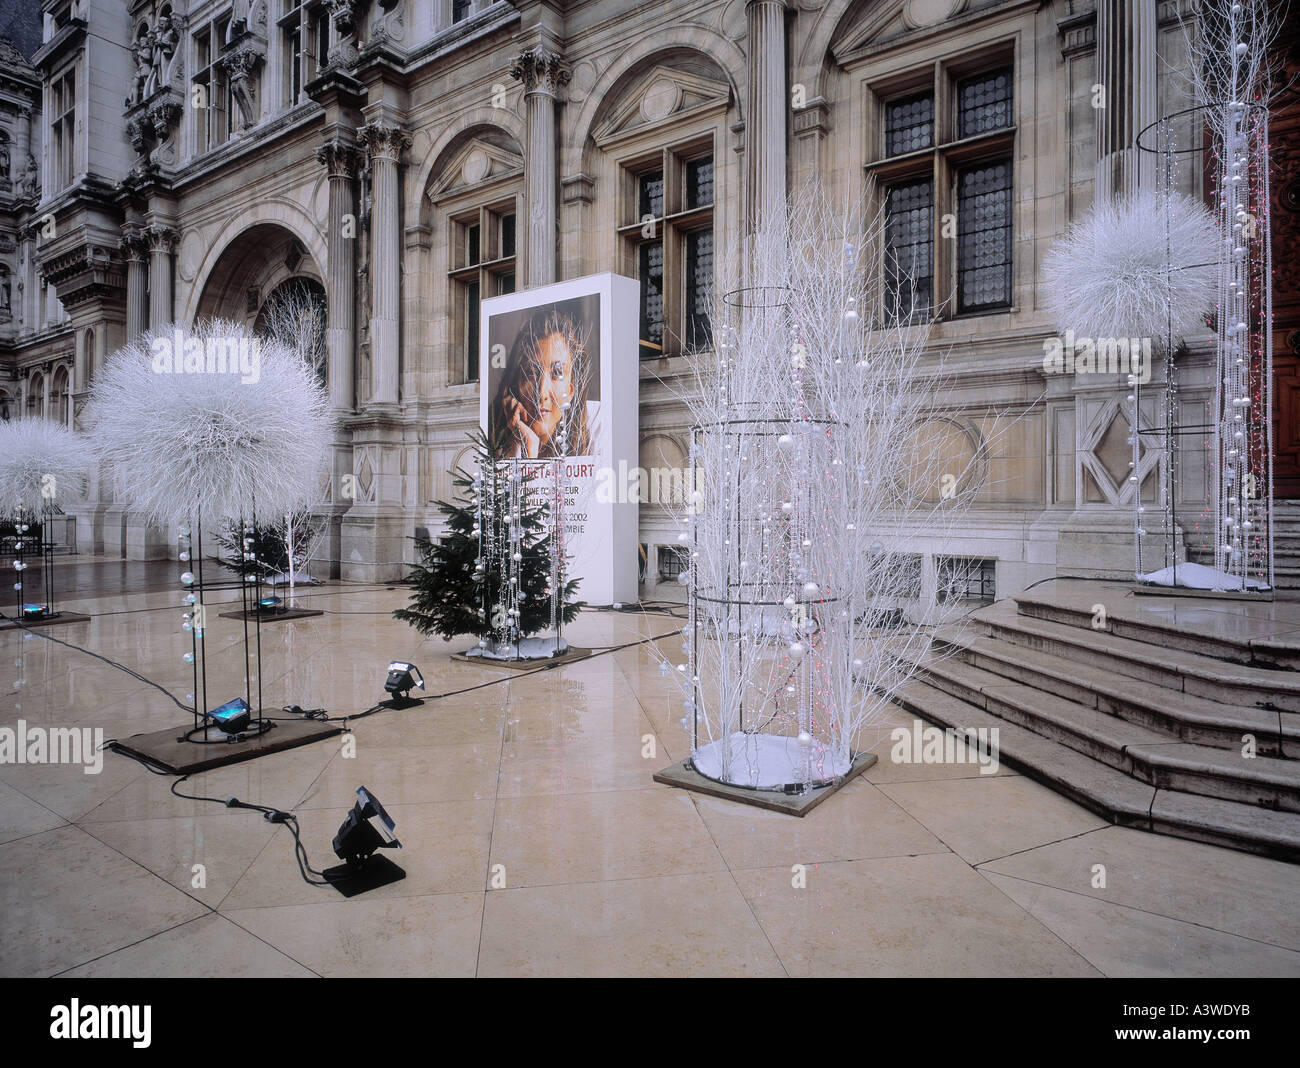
(559, 378)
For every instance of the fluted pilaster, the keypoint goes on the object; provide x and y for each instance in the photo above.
(384, 144)
(542, 74)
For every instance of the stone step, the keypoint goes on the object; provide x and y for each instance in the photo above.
(1110, 793)
(1152, 756)
(1232, 643)
(1224, 773)
(1175, 669)
(1176, 714)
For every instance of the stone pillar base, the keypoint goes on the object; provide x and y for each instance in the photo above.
(373, 544)
(1100, 545)
(145, 541)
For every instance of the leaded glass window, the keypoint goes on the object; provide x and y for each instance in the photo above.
(909, 124)
(909, 249)
(984, 237)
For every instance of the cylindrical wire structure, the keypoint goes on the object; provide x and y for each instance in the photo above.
(1239, 434)
(769, 632)
(505, 489)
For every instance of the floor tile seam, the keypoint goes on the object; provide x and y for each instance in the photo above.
(1149, 912)
(128, 945)
(496, 800)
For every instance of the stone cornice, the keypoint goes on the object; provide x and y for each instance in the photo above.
(1077, 33)
(70, 36)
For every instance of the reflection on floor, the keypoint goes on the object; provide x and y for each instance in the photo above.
(535, 842)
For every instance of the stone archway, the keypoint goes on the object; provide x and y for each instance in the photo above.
(250, 268)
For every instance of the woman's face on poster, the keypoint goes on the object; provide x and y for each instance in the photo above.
(549, 371)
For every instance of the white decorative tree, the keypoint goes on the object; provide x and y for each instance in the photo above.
(1229, 46)
(816, 484)
(1137, 271)
(206, 424)
(42, 466)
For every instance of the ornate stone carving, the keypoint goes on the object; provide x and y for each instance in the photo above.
(134, 244)
(160, 238)
(383, 140)
(540, 71)
(339, 157)
(241, 65)
(344, 13)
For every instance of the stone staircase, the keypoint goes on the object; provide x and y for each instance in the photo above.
(1142, 720)
(1286, 546)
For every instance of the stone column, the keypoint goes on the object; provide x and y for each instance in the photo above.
(162, 244)
(543, 74)
(135, 247)
(81, 362)
(1126, 69)
(340, 160)
(384, 143)
(769, 102)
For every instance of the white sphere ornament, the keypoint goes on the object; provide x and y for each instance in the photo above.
(805, 739)
(785, 443)
(796, 649)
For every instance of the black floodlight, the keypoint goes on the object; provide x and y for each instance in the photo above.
(271, 604)
(232, 717)
(35, 611)
(367, 828)
(402, 679)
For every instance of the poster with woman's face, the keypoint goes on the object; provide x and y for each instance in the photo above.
(543, 379)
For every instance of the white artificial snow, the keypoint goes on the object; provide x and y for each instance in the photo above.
(1199, 577)
(528, 649)
(766, 761)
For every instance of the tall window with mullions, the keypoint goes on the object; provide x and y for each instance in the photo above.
(984, 237)
(909, 249)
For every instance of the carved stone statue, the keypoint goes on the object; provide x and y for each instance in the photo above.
(163, 42)
(143, 63)
(30, 180)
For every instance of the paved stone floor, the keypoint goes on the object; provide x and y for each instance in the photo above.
(540, 781)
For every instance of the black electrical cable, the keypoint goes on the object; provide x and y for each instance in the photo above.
(271, 815)
(112, 663)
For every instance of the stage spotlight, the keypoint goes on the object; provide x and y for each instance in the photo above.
(367, 828)
(402, 678)
(271, 604)
(35, 611)
(232, 717)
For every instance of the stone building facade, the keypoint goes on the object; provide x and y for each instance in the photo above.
(409, 158)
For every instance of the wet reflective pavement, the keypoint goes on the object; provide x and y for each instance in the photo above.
(535, 842)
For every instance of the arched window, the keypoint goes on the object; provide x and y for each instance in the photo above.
(295, 312)
(475, 191)
(35, 397)
(59, 396)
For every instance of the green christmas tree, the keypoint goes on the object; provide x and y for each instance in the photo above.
(457, 591)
